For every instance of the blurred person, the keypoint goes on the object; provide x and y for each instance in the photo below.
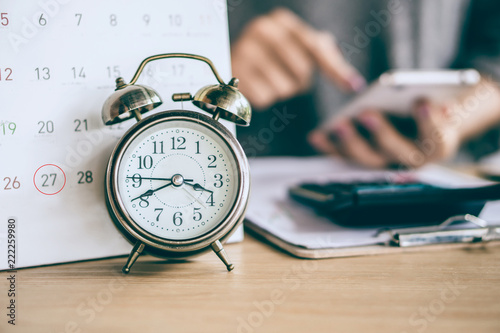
(280, 47)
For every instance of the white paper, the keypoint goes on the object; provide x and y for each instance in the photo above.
(58, 63)
(272, 210)
(490, 165)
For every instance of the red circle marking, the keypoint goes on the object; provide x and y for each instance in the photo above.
(34, 178)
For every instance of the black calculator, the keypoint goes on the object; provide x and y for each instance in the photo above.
(382, 203)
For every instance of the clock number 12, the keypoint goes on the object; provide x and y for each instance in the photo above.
(181, 142)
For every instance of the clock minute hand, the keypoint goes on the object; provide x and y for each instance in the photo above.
(149, 193)
(154, 178)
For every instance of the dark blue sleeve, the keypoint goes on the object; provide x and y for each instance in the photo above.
(481, 39)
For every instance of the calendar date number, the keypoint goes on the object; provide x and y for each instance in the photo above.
(7, 128)
(85, 177)
(11, 183)
(5, 74)
(4, 19)
(46, 127)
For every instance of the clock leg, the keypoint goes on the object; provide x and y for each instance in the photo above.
(221, 253)
(136, 252)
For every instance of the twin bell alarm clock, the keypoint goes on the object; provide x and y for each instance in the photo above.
(177, 183)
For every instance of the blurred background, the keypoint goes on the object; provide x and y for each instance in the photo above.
(299, 62)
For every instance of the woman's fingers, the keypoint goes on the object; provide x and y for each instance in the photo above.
(320, 141)
(352, 145)
(396, 147)
(277, 35)
(277, 54)
(322, 49)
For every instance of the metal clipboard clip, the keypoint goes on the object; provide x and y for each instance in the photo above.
(441, 235)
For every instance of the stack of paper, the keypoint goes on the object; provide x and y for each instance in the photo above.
(272, 211)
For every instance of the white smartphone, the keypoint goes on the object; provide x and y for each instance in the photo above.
(396, 91)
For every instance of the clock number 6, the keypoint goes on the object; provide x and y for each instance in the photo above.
(178, 219)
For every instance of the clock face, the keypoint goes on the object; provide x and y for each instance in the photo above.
(178, 179)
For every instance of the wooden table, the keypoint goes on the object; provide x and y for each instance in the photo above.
(457, 290)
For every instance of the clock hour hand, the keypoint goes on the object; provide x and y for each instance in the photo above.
(198, 187)
(149, 193)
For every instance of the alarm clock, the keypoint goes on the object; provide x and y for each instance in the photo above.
(177, 183)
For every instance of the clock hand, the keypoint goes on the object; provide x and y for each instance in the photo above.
(197, 187)
(195, 198)
(154, 178)
(149, 193)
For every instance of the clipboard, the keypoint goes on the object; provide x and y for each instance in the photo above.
(401, 240)
(273, 217)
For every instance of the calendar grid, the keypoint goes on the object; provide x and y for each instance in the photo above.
(58, 64)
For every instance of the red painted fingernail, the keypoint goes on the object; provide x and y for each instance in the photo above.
(370, 122)
(342, 131)
(357, 83)
(423, 111)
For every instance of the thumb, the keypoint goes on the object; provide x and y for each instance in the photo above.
(425, 118)
(437, 140)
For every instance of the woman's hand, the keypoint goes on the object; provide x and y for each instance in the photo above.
(441, 130)
(436, 138)
(277, 55)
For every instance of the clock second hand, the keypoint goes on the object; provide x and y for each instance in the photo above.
(149, 193)
(195, 198)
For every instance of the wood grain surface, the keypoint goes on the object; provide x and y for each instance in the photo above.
(455, 290)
